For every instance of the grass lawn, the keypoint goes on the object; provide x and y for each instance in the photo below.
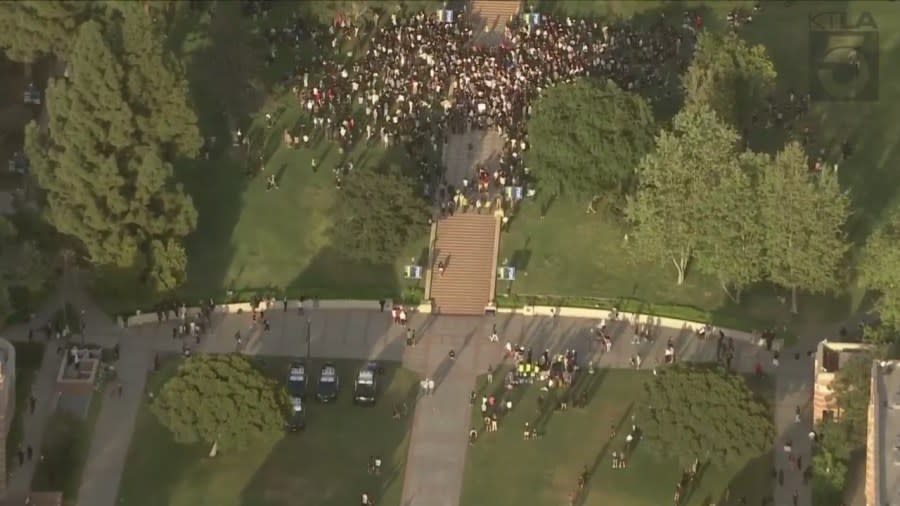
(28, 361)
(323, 466)
(249, 240)
(501, 468)
(67, 442)
(577, 256)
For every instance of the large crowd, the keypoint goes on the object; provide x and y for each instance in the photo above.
(420, 78)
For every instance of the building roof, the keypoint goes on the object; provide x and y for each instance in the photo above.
(886, 397)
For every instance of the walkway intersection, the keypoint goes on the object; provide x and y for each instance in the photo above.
(441, 421)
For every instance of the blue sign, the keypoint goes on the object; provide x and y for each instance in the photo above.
(414, 272)
(506, 273)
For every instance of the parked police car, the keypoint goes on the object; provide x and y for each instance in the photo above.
(329, 383)
(297, 420)
(364, 388)
(296, 383)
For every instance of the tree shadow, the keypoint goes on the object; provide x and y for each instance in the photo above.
(582, 495)
(330, 275)
(335, 449)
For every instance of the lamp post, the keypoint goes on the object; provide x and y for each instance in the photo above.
(308, 340)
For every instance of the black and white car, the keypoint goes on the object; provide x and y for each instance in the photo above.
(365, 388)
(329, 383)
(296, 382)
(297, 419)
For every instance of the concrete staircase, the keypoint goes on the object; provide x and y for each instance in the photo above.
(489, 18)
(467, 245)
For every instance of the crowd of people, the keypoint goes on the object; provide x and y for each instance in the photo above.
(414, 80)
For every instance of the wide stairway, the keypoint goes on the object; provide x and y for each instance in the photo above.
(466, 244)
(491, 16)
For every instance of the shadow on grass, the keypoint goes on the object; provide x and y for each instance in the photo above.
(753, 484)
(581, 495)
(327, 464)
(330, 274)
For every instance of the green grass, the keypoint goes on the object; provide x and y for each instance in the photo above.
(28, 362)
(250, 241)
(323, 466)
(572, 257)
(545, 471)
(67, 442)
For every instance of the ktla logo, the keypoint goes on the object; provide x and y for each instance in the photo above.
(843, 57)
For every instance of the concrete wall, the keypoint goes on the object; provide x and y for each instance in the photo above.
(872, 443)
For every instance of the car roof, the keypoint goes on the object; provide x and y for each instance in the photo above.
(296, 403)
(329, 372)
(366, 376)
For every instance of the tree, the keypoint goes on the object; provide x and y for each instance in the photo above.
(607, 133)
(732, 248)
(22, 265)
(221, 400)
(700, 412)
(168, 265)
(106, 181)
(731, 76)
(880, 269)
(804, 217)
(156, 86)
(30, 29)
(852, 384)
(378, 212)
(674, 207)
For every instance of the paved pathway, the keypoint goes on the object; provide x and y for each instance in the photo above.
(115, 424)
(441, 422)
(793, 389)
(35, 424)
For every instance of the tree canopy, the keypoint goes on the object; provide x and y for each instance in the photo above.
(731, 76)
(378, 212)
(805, 216)
(30, 29)
(675, 206)
(732, 248)
(588, 137)
(104, 162)
(221, 399)
(23, 264)
(699, 412)
(880, 268)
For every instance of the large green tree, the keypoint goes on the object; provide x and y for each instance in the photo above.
(700, 412)
(732, 248)
(30, 29)
(107, 181)
(223, 400)
(804, 217)
(378, 212)
(588, 137)
(155, 84)
(880, 268)
(730, 75)
(675, 206)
